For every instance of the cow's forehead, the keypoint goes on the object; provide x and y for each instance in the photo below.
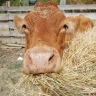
(45, 5)
(43, 12)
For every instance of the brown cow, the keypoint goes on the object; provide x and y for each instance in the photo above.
(45, 35)
(76, 24)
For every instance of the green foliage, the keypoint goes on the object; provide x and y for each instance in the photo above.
(2, 1)
(13, 2)
(16, 2)
(24, 2)
(57, 1)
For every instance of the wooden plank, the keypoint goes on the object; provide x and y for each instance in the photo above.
(4, 46)
(15, 33)
(78, 7)
(20, 8)
(12, 40)
(11, 45)
(15, 45)
(15, 40)
(5, 40)
(3, 8)
(12, 25)
(11, 16)
(4, 29)
(4, 17)
(12, 33)
(7, 29)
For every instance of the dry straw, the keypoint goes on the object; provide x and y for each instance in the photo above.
(78, 77)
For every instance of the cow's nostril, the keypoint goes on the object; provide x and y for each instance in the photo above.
(51, 57)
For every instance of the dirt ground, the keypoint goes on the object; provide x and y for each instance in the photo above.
(10, 68)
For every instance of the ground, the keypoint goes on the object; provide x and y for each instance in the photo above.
(10, 68)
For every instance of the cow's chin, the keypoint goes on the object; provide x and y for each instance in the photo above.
(39, 60)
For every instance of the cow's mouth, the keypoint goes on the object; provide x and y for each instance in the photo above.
(42, 60)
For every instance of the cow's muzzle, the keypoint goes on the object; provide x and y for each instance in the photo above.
(42, 60)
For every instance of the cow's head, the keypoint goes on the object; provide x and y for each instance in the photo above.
(80, 23)
(44, 31)
(74, 24)
(71, 24)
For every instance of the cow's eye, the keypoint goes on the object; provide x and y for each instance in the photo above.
(24, 29)
(24, 26)
(65, 26)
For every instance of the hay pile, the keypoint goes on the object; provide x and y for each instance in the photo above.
(77, 79)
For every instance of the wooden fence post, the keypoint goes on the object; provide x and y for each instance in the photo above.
(8, 3)
(62, 2)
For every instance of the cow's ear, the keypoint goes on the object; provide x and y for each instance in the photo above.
(20, 24)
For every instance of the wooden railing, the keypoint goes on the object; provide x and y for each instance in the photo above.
(8, 32)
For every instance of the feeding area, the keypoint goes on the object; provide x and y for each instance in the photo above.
(78, 77)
